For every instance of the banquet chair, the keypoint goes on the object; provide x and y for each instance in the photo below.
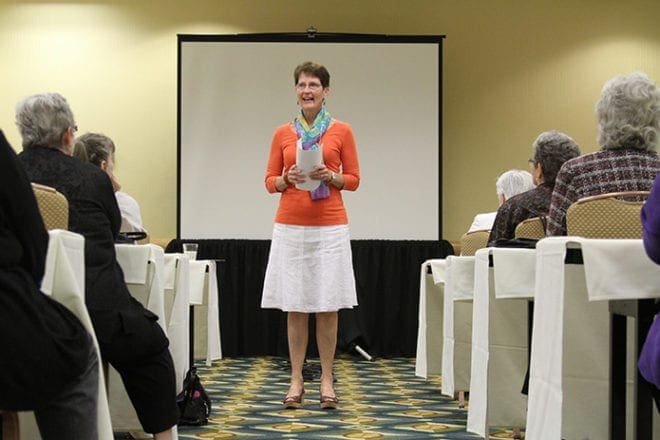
(533, 228)
(473, 241)
(611, 215)
(617, 216)
(53, 206)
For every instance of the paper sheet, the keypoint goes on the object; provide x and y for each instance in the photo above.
(306, 160)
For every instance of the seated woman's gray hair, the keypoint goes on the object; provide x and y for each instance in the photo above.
(551, 149)
(42, 120)
(628, 113)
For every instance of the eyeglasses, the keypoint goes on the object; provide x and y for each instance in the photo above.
(312, 86)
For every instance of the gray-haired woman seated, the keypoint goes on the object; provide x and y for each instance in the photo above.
(551, 150)
(628, 115)
(129, 337)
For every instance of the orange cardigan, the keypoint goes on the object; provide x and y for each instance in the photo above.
(339, 155)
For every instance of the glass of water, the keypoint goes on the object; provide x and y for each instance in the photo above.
(190, 249)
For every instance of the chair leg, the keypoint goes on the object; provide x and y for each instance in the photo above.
(10, 426)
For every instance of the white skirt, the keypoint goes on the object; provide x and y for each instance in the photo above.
(310, 269)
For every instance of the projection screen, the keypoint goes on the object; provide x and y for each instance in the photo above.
(234, 91)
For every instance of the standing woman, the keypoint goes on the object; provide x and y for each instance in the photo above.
(310, 264)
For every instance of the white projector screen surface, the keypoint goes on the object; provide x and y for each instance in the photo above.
(234, 94)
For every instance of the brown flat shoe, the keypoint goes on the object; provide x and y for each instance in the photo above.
(293, 402)
(329, 402)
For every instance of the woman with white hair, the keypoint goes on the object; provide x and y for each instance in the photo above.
(628, 115)
(551, 150)
(509, 184)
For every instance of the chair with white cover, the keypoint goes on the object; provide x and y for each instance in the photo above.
(617, 215)
(64, 280)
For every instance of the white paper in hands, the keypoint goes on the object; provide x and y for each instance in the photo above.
(306, 160)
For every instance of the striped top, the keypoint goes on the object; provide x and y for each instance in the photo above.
(596, 173)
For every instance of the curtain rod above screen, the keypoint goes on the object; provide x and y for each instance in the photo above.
(313, 37)
(208, 124)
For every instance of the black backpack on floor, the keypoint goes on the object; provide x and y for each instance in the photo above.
(194, 404)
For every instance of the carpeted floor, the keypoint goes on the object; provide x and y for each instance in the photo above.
(378, 400)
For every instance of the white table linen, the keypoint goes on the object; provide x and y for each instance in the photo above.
(177, 312)
(429, 330)
(499, 337)
(457, 323)
(204, 297)
(143, 267)
(569, 377)
(64, 280)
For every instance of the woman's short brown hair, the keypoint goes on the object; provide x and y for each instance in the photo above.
(313, 69)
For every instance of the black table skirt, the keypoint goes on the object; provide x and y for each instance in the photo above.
(387, 280)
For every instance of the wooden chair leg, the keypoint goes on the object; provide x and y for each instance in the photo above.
(10, 427)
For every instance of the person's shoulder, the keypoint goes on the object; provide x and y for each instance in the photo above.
(125, 199)
(340, 125)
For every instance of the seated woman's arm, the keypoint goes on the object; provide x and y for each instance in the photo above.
(651, 223)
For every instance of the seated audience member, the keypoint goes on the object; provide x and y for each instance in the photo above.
(649, 359)
(551, 150)
(48, 362)
(628, 114)
(99, 150)
(509, 184)
(129, 337)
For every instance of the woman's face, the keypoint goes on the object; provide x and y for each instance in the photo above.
(310, 93)
(109, 167)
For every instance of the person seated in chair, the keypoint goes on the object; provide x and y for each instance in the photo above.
(509, 184)
(129, 336)
(99, 150)
(649, 359)
(551, 150)
(48, 362)
(628, 114)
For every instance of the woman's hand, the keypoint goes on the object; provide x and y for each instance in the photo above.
(321, 172)
(294, 176)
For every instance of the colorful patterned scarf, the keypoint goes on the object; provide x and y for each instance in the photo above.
(310, 137)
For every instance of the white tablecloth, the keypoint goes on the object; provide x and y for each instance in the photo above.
(569, 381)
(429, 330)
(457, 323)
(177, 314)
(204, 297)
(499, 337)
(143, 267)
(64, 280)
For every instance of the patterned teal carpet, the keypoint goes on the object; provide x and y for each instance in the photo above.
(378, 400)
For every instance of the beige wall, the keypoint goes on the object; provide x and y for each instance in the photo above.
(512, 69)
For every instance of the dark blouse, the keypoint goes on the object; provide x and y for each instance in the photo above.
(533, 203)
(43, 346)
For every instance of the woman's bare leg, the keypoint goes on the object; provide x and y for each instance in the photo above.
(165, 435)
(297, 333)
(326, 340)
